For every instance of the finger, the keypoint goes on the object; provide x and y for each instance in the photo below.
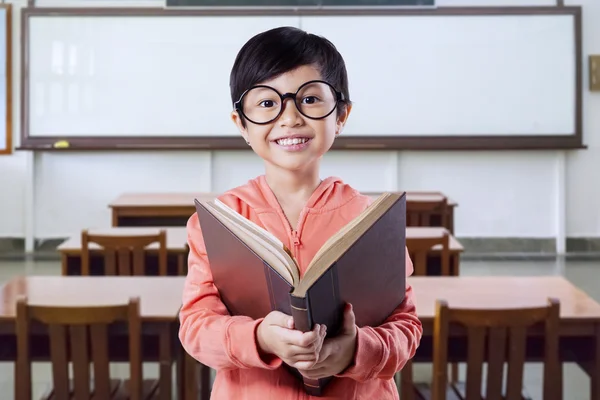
(319, 346)
(295, 337)
(323, 330)
(315, 373)
(294, 350)
(303, 365)
(349, 320)
(280, 319)
(301, 357)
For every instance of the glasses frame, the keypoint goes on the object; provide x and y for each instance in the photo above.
(339, 98)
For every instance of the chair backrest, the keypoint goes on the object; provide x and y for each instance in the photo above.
(75, 333)
(421, 213)
(506, 334)
(421, 248)
(124, 254)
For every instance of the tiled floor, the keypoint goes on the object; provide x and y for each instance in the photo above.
(583, 274)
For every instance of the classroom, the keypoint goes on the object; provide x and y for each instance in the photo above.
(481, 116)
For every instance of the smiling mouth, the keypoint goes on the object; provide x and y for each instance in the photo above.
(291, 142)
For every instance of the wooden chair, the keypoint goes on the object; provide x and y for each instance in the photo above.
(505, 333)
(124, 254)
(420, 249)
(421, 213)
(75, 333)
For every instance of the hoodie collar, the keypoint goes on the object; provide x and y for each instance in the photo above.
(319, 198)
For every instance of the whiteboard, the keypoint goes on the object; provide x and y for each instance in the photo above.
(5, 142)
(457, 75)
(429, 75)
(135, 76)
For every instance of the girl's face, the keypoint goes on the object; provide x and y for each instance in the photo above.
(291, 142)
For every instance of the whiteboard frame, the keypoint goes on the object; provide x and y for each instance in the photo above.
(573, 140)
(7, 149)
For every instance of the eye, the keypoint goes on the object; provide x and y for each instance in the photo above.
(310, 100)
(267, 103)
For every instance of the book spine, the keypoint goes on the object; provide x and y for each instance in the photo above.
(301, 313)
(303, 322)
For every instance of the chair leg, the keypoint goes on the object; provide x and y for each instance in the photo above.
(407, 389)
(454, 378)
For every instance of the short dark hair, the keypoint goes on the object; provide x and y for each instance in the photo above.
(277, 51)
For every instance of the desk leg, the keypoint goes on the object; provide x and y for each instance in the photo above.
(595, 368)
(455, 265)
(407, 391)
(165, 382)
(181, 355)
(205, 382)
(181, 265)
(190, 380)
(64, 264)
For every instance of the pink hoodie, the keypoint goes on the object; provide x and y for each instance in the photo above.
(228, 343)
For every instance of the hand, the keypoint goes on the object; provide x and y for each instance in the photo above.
(337, 353)
(276, 335)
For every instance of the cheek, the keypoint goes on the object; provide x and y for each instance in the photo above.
(324, 128)
(259, 131)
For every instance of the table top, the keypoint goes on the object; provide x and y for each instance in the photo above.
(429, 232)
(184, 199)
(160, 199)
(502, 292)
(421, 196)
(176, 237)
(160, 297)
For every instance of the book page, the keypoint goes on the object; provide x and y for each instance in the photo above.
(266, 239)
(343, 240)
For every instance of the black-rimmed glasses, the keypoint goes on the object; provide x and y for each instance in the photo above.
(262, 104)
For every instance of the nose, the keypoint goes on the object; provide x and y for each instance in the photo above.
(290, 116)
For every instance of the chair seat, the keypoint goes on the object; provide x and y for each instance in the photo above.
(119, 390)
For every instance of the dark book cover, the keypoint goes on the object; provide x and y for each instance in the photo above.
(370, 275)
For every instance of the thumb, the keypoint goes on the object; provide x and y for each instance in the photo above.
(349, 320)
(278, 318)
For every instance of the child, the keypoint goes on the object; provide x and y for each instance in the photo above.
(291, 121)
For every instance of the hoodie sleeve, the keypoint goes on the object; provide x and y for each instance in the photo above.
(384, 350)
(207, 332)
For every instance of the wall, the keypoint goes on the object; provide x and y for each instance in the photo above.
(500, 194)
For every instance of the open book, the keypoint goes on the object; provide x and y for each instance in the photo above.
(363, 263)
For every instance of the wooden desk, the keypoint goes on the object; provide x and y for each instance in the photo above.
(415, 197)
(155, 209)
(579, 315)
(433, 260)
(174, 209)
(160, 300)
(70, 251)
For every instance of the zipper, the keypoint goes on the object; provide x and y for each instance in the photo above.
(295, 235)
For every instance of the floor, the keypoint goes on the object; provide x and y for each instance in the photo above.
(583, 273)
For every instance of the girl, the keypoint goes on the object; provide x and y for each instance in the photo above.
(290, 95)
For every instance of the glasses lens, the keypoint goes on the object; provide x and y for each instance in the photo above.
(316, 100)
(261, 104)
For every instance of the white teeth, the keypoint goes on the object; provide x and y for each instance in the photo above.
(290, 142)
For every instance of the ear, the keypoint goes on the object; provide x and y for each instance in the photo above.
(342, 118)
(237, 120)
